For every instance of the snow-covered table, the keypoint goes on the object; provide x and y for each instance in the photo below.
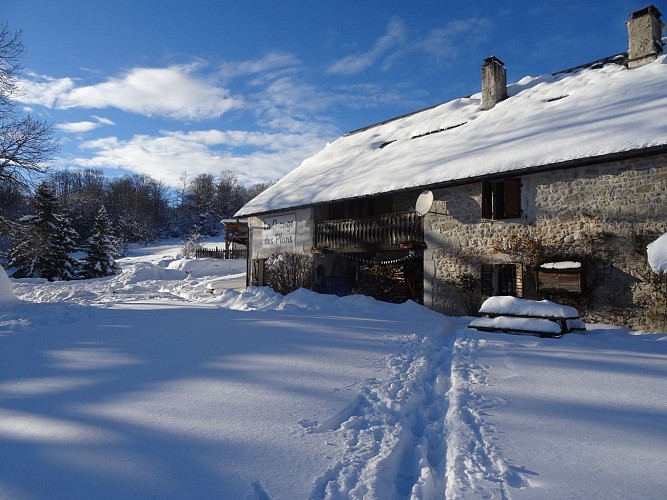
(513, 315)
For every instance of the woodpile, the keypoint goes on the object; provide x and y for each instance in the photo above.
(396, 283)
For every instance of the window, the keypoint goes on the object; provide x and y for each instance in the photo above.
(364, 207)
(562, 276)
(502, 279)
(501, 199)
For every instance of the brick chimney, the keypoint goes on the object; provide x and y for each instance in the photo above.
(494, 82)
(644, 36)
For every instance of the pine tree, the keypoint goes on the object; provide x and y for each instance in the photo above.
(102, 249)
(191, 246)
(43, 242)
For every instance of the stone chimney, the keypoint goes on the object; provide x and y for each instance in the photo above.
(494, 82)
(644, 36)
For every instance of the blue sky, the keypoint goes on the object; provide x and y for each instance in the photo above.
(173, 88)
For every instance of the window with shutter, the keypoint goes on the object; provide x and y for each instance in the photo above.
(502, 279)
(565, 276)
(501, 199)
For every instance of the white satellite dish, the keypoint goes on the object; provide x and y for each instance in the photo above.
(424, 203)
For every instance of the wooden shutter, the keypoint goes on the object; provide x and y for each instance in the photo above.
(512, 198)
(560, 281)
(487, 200)
(487, 280)
(519, 280)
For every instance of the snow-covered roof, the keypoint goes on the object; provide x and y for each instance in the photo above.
(591, 112)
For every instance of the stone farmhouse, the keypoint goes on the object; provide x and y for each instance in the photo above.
(550, 187)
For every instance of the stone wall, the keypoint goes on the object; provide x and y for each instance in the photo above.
(601, 214)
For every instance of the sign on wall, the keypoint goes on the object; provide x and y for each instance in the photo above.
(279, 231)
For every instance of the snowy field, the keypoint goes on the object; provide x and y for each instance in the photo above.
(146, 385)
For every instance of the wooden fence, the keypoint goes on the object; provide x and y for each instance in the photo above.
(221, 253)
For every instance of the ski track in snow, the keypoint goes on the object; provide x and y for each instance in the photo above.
(422, 433)
(475, 466)
(394, 431)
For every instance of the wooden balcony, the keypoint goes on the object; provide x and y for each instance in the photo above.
(380, 232)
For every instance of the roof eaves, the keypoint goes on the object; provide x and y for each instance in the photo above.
(579, 162)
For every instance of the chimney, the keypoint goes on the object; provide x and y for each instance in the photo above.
(494, 82)
(644, 36)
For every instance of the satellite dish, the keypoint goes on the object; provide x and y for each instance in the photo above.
(424, 203)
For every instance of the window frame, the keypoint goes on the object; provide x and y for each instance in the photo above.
(494, 279)
(501, 199)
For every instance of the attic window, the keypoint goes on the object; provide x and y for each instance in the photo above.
(501, 199)
(561, 276)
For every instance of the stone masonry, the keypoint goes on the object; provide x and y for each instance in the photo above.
(597, 214)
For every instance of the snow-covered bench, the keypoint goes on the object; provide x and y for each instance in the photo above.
(514, 315)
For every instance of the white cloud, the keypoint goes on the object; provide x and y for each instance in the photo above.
(291, 117)
(174, 92)
(103, 121)
(168, 156)
(85, 126)
(44, 90)
(77, 127)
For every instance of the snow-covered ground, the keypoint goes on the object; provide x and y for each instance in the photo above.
(146, 385)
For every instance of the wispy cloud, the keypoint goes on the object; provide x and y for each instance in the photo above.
(447, 41)
(175, 92)
(394, 37)
(84, 126)
(286, 115)
(270, 65)
(438, 44)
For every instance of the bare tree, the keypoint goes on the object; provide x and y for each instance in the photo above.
(26, 143)
(11, 49)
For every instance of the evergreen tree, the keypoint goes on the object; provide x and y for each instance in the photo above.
(191, 246)
(102, 249)
(43, 242)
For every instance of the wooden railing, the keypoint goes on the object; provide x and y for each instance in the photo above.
(380, 232)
